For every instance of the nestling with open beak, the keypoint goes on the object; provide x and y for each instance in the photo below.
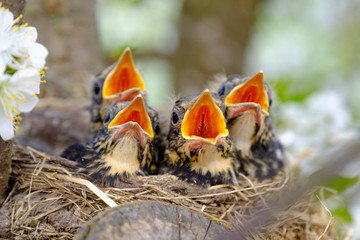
(248, 102)
(117, 83)
(199, 148)
(124, 147)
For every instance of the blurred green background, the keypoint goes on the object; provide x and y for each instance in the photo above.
(309, 52)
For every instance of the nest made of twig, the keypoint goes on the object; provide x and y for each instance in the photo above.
(51, 200)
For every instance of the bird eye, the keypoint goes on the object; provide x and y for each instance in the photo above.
(175, 117)
(107, 118)
(96, 88)
(157, 129)
(222, 91)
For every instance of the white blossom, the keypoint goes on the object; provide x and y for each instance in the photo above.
(18, 46)
(18, 94)
(21, 62)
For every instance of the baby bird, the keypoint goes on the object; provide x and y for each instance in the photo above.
(124, 147)
(199, 148)
(248, 102)
(119, 82)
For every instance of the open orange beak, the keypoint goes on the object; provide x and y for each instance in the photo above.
(204, 122)
(124, 82)
(248, 96)
(133, 118)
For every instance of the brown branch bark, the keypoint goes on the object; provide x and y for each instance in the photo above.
(150, 220)
(15, 6)
(5, 167)
(67, 29)
(213, 39)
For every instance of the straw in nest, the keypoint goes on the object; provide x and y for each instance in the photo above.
(51, 200)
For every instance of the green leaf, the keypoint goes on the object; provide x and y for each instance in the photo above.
(343, 213)
(338, 184)
(342, 183)
(289, 90)
(10, 71)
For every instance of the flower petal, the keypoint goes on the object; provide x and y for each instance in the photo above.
(4, 77)
(25, 36)
(2, 65)
(6, 125)
(6, 20)
(27, 103)
(26, 79)
(38, 55)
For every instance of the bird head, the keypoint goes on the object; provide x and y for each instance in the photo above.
(248, 102)
(204, 122)
(199, 143)
(125, 144)
(117, 83)
(131, 118)
(123, 82)
(249, 94)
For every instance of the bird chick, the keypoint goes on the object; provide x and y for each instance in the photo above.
(124, 147)
(119, 82)
(248, 101)
(199, 148)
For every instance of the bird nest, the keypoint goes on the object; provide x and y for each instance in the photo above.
(50, 200)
